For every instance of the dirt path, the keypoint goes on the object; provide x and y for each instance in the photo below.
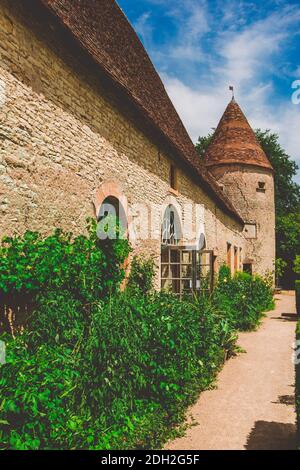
(253, 404)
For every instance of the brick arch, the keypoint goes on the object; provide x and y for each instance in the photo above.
(110, 188)
(171, 200)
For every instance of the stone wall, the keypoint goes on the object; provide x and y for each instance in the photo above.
(62, 137)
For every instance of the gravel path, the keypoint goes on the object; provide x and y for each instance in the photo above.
(253, 404)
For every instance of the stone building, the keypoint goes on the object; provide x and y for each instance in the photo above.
(86, 124)
(239, 164)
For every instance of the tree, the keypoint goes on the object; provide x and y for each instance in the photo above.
(287, 203)
(287, 192)
(287, 244)
(287, 198)
(203, 143)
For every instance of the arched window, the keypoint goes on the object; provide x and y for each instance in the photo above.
(113, 212)
(171, 227)
(201, 245)
(171, 235)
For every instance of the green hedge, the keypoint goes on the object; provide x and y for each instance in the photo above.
(118, 377)
(100, 369)
(114, 374)
(88, 268)
(243, 298)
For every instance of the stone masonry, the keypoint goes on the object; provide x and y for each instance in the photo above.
(65, 145)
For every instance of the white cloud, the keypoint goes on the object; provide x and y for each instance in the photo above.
(190, 19)
(201, 111)
(212, 48)
(246, 56)
(243, 57)
(143, 27)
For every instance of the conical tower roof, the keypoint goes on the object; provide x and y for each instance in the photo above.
(234, 141)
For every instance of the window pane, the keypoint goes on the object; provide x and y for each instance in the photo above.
(165, 271)
(166, 284)
(175, 256)
(203, 271)
(186, 257)
(186, 271)
(165, 255)
(176, 287)
(175, 270)
(203, 258)
(186, 285)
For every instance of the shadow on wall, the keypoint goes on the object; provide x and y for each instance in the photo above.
(272, 436)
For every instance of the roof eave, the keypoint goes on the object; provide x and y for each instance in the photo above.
(238, 163)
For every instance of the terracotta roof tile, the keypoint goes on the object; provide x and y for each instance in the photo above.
(104, 32)
(235, 142)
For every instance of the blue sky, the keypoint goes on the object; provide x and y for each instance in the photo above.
(200, 47)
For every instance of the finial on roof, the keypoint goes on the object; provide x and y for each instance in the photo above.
(231, 88)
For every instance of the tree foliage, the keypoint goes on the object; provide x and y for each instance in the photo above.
(202, 144)
(84, 265)
(287, 191)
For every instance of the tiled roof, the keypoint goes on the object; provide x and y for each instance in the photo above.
(235, 142)
(103, 31)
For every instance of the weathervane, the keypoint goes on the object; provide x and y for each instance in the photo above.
(231, 88)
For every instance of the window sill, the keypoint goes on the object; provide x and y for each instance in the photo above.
(175, 192)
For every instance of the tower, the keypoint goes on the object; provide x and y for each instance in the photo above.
(241, 167)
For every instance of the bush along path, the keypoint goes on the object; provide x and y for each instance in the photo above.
(97, 368)
(253, 405)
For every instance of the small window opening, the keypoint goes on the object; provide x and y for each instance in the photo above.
(173, 177)
(261, 187)
(235, 259)
(229, 255)
(247, 268)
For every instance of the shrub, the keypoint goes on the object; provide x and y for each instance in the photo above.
(141, 276)
(36, 395)
(103, 380)
(297, 264)
(243, 298)
(224, 274)
(117, 371)
(280, 268)
(85, 266)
